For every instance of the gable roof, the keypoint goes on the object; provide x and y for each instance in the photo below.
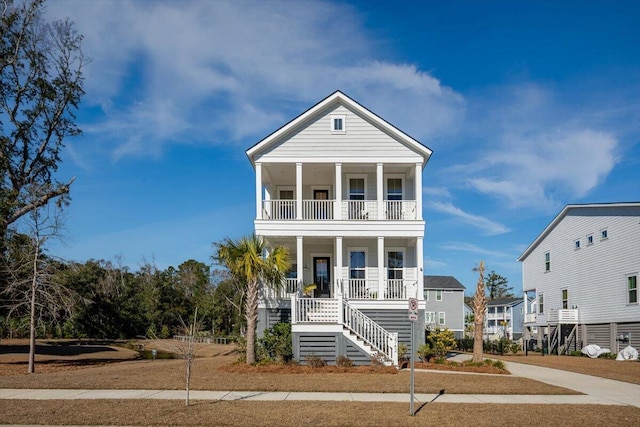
(442, 282)
(504, 301)
(564, 212)
(339, 98)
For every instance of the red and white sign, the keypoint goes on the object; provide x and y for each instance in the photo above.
(413, 309)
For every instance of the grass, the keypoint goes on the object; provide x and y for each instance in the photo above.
(358, 414)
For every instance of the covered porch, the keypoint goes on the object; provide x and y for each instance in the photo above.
(351, 268)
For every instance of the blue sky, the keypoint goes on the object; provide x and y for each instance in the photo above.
(528, 106)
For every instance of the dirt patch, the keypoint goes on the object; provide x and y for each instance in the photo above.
(242, 368)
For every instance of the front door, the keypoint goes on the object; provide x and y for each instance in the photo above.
(321, 210)
(321, 277)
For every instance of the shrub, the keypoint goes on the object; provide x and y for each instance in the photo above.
(343, 361)
(377, 360)
(425, 353)
(402, 351)
(607, 356)
(315, 361)
(515, 347)
(276, 343)
(440, 361)
(441, 341)
(576, 353)
(498, 364)
(465, 344)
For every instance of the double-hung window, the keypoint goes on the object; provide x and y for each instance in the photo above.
(565, 299)
(540, 303)
(439, 295)
(441, 318)
(632, 289)
(547, 261)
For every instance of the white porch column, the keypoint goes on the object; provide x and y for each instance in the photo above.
(337, 213)
(380, 189)
(299, 264)
(420, 264)
(339, 287)
(419, 191)
(298, 190)
(258, 190)
(382, 280)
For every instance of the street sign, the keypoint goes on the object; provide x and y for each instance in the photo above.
(413, 309)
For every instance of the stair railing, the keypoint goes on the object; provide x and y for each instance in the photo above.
(370, 332)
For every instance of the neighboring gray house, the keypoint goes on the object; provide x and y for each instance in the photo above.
(444, 296)
(582, 273)
(341, 188)
(504, 318)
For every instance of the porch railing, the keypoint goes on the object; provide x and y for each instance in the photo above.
(370, 332)
(358, 210)
(317, 209)
(563, 316)
(530, 318)
(288, 288)
(316, 310)
(393, 289)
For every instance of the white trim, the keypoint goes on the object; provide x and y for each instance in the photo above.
(343, 122)
(441, 295)
(604, 234)
(442, 315)
(589, 239)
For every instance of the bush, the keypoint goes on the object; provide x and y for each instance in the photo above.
(515, 347)
(377, 360)
(276, 343)
(425, 353)
(344, 362)
(498, 364)
(576, 353)
(402, 352)
(441, 341)
(315, 361)
(465, 344)
(607, 356)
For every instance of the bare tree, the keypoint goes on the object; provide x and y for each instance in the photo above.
(32, 286)
(183, 346)
(479, 307)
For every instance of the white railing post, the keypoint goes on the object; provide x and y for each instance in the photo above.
(294, 309)
(340, 310)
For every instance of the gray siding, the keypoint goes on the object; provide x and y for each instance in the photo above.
(398, 321)
(267, 317)
(598, 334)
(452, 305)
(327, 346)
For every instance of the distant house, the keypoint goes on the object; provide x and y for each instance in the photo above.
(504, 319)
(444, 296)
(581, 275)
(341, 188)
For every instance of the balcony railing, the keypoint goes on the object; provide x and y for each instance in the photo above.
(351, 210)
(393, 289)
(289, 287)
(499, 316)
(563, 316)
(530, 318)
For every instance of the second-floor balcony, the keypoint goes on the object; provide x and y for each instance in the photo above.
(530, 317)
(348, 210)
(499, 316)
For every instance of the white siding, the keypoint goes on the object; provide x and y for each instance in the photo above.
(361, 141)
(595, 275)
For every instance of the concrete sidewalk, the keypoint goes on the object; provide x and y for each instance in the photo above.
(600, 391)
(64, 394)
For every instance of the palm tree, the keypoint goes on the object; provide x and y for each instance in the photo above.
(248, 264)
(479, 307)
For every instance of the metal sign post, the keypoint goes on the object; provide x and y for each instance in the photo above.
(413, 316)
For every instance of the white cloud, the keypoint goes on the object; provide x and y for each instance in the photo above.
(474, 249)
(489, 227)
(536, 170)
(167, 72)
(436, 191)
